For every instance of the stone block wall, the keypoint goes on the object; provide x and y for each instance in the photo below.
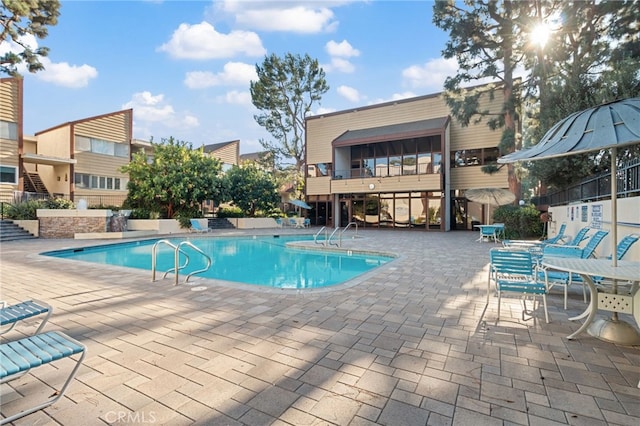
(67, 227)
(67, 223)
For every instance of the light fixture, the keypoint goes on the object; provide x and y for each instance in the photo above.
(371, 186)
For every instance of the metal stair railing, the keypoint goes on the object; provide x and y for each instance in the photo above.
(177, 249)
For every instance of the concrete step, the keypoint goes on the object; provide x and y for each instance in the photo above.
(9, 231)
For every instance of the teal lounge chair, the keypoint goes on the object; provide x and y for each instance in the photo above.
(197, 227)
(12, 315)
(557, 239)
(20, 356)
(565, 279)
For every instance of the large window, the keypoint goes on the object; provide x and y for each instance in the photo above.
(8, 130)
(319, 169)
(395, 158)
(474, 157)
(408, 210)
(9, 174)
(84, 180)
(99, 146)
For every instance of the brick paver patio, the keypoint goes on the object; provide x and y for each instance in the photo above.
(412, 343)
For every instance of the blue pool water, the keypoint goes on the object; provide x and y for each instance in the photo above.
(264, 261)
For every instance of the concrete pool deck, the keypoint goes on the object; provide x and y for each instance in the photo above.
(411, 343)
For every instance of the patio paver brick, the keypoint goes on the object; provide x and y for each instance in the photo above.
(411, 343)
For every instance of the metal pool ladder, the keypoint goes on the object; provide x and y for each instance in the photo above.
(177, 249)
(340, 232)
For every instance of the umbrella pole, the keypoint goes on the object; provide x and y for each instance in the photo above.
(613, 329)
(614, 206)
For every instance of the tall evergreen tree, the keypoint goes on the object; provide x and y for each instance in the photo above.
(285, 92)
(588, 60)
(485, 39)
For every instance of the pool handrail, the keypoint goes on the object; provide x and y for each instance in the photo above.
(339, 243)
(176, 269)
(315, 237)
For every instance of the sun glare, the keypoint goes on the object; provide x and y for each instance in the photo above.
(540, 34)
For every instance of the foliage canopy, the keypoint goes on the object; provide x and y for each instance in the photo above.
(251, 189)
(286, 90)
(175, 182)
(19, 18)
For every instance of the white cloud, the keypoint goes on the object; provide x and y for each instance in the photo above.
(339, 53)
(339, 64)
(394, 97)
(63, 74)
(202, 41)
(322, 110)
(153, 111)
(430, 75)
(233, 74)
(342, 49)
(300, 17)
(238, 98)
(58, 73)
(349, 93)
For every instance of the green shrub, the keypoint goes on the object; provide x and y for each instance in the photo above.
(519, 222)
(27, 210)
(230, 212)
(58, 204)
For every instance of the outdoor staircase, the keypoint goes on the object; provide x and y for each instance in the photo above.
(220, 223)
(9, 231)
(33, 183)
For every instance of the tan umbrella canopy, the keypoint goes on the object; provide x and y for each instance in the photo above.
(490, 196)
(612, 125)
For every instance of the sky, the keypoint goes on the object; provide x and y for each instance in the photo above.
(185, 66)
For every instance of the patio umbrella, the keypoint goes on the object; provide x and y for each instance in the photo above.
(490, 196)
(608, 126)
(299, 203)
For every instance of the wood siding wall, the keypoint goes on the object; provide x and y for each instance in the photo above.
(228, 154)
(10, 104)
(387, 184)
(101, 165)
(10, 100)
(322, 130)
(472, 177)
(114, 127)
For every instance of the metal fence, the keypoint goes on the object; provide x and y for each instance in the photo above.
(598, 187)
(92, 200)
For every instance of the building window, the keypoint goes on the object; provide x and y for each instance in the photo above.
(9, 174)
(122, 150)
(84, 180)
(99, 146)
(8, 130)
(396, 158)
(474, 157)
(319, 169)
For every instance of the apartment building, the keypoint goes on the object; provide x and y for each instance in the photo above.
(401, 164)
(11, 137)
(76, 160)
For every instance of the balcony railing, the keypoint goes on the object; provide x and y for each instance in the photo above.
(92, 200)
(392, 170)
(598, 187)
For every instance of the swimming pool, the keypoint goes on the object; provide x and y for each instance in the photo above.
(263, 260)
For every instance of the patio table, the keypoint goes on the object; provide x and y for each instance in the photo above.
(495, 230)
(612, 330)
